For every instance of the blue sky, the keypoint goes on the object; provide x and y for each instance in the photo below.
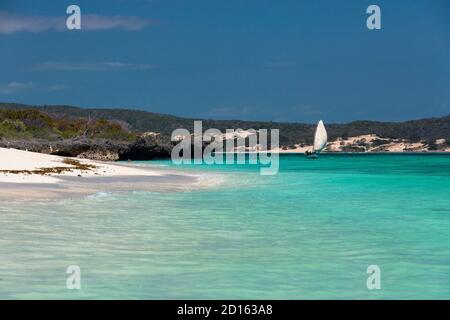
(260, 60)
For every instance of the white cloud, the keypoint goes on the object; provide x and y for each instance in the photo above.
(90, 66)
(15, 87)
(12, 23)
(96, 22)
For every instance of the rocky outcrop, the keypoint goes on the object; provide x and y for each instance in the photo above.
(147, 147)
(101, 155)
(144, 148)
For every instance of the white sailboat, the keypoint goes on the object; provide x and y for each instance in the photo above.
(320, 140)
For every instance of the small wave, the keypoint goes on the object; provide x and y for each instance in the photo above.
(209, 179)
(97, 195)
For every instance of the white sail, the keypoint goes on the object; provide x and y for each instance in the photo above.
(320, 138)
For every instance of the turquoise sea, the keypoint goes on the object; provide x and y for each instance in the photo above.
(309, 232)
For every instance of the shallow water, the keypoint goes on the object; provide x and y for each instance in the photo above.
(309, 232)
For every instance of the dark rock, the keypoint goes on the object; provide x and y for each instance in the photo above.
(147, 148)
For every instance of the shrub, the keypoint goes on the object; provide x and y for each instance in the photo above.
(13, 129)
(26, 124)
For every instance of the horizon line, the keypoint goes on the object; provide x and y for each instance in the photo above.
(212, 119)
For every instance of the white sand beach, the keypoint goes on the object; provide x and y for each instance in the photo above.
(28, 175)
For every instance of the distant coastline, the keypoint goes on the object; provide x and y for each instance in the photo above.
(122, 134)
(372, 143)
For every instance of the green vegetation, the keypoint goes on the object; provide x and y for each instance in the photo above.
(55, 122)
(25, 124)
(353, 149)
(380, 142)
(13, 128)
(30, 123)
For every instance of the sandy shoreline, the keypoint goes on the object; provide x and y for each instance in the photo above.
(105, 177)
